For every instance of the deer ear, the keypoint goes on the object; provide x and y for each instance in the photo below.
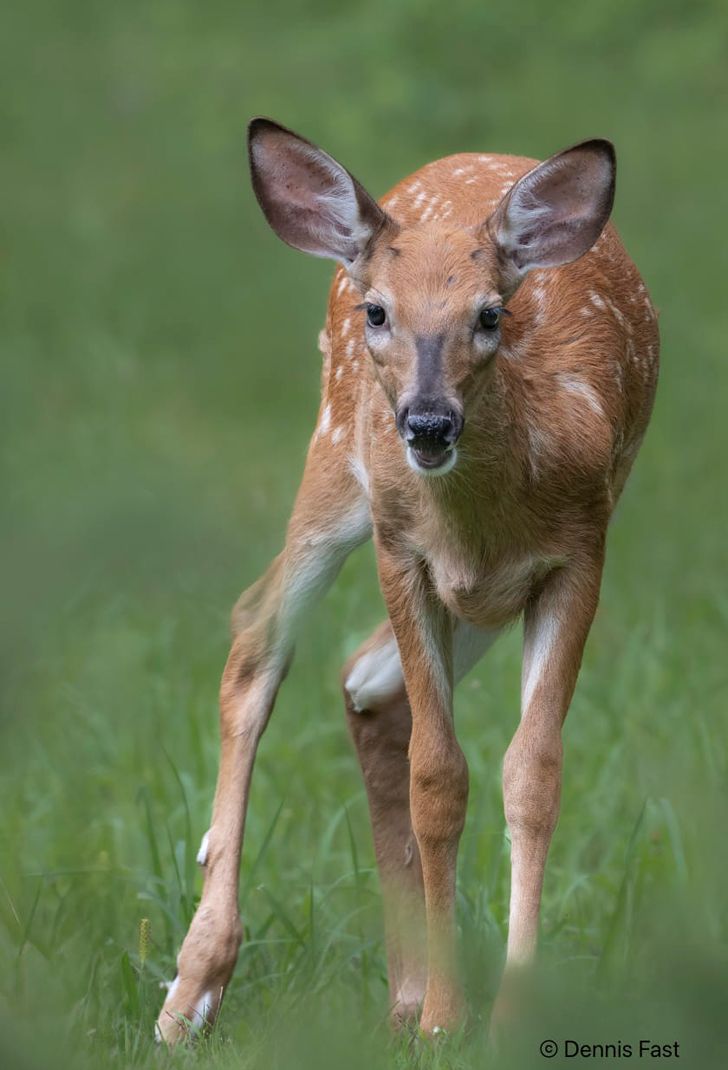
(309, 199)
(556, 212)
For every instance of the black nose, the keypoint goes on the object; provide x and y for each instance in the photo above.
(434, 426)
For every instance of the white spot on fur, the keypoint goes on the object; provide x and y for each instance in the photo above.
(618, 315)
(419, 199)
(375, 676)
(574, 385)
(619, 374)
(339, 372)
(342, 286)
(538, 444)
(540, 297)
(470, 181)
(429, 210)
(202, 853)
(499, 166)
(360, 473)
(350, 347)
(596, 300)
(345, 327)
(337, 434)
(324, 422)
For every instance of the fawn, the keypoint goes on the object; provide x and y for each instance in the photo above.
(490, 359)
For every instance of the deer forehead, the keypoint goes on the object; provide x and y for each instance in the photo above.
(433, 269)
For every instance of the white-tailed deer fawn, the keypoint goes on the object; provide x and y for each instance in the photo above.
(490, 361)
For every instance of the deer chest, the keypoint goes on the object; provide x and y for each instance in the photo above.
(487, 594)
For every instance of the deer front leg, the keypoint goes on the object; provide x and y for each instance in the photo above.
(438, 771)
(380, 722)
(557, 622)
(329, 520)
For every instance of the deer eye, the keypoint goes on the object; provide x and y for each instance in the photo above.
(489, 318)
(376, 315)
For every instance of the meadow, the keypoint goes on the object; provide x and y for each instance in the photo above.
(159, 385)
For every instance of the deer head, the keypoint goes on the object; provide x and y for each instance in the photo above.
(433, 294)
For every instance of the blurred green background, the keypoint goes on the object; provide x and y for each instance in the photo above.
(159, 383)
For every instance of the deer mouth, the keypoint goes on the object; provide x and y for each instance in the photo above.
(431, 458)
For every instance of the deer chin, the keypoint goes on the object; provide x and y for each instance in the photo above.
(431, 464)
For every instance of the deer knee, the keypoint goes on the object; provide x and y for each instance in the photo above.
(249, 684)
(532, 781)
(252, 602)
(439, 790)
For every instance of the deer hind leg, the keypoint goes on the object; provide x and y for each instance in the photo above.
(380, 721)
(329, 520)
(557, 623)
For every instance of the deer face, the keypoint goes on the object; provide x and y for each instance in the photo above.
(433, 310)
(433, 295)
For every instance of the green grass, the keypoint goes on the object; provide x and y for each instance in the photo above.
(159, 383)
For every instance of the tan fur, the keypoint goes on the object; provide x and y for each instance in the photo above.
(552, 426)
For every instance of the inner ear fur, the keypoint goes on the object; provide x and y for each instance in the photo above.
(311, 201)
(554, 214)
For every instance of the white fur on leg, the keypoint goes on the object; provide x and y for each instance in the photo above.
(377, 675)
(202, 853)
(537, 651)
(171, 987)
(202, 1013)
(521, 938)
